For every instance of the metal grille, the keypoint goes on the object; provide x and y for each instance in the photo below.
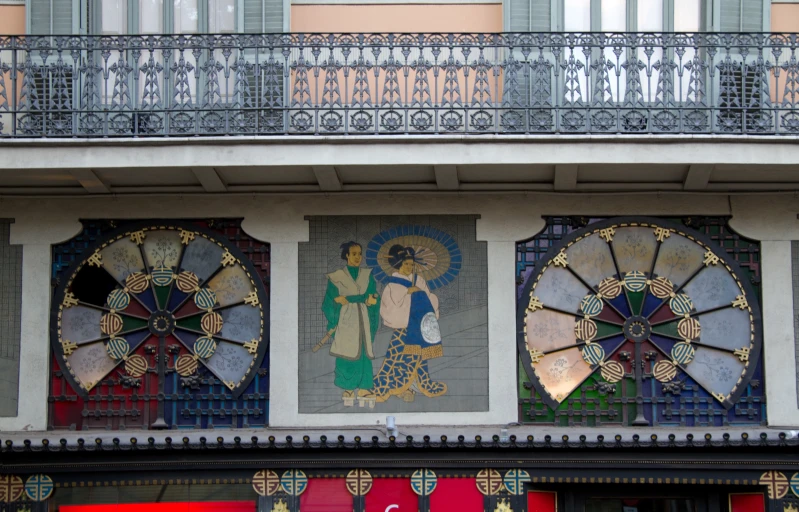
(597, 403)
(203, 403)
(383, 84)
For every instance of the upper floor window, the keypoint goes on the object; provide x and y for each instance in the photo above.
(636, 15)
(114, 17)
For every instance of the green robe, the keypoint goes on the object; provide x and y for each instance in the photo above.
(351, 375)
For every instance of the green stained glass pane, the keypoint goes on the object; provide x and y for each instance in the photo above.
(636, 299)
(603, 329)
(129, 323)
(192, 322)
(161, 295)
(669, 329)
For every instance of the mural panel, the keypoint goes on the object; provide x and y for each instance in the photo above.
(639, 321)
(393, 315)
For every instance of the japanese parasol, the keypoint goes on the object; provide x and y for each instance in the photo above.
(438, 258)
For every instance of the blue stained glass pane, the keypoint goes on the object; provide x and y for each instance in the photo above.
(650, 304)
(620, 303)
(176, 298)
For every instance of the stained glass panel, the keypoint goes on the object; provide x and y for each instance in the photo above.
(124, 332)
(693, 324)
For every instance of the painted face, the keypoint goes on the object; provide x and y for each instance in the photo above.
(407, 267)
(354, 256)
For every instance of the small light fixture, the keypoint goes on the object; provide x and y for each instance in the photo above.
(391, 427)
(503, 435)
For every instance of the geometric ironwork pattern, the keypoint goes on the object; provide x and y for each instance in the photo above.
(149, 356)
(688, 355)
(275, 84)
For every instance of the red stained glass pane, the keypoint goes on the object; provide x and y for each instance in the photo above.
(326, 495)
(747, 503)
(541, 501)
(392, 495)
(459, 494)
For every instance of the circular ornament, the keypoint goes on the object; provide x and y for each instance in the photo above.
(795, 484)
(664, 371)
(591, 305)
(162, 276)
(424, 481)
(39, 487)
(612, 371)
(11, 488)
(635, 281)
(118, 299)
(136, 282)
(585, 329)
(111, 324)
(186, 365)
(204, 347)
(489, 482)
(776, 484)
(211, 322)
(515, 479)
(593, 354)
(610, 287)
(358, 482)
(689, 328)
(682, 352)
(187, 282)
(661, 287)
(294, 482)
(117, 348)
(681, 304)
(265, 482)
(205, 298)
(136, 365)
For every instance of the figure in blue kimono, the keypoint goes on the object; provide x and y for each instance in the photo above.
(411, 309)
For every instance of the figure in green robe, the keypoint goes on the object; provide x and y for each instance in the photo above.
(352, 309)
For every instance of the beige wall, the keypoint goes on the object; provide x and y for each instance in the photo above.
(397, 18)
(785, 17)
(12, 19)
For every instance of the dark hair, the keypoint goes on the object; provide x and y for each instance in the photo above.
(345, 248)
(397, 254)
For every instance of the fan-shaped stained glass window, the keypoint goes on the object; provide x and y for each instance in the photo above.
(639, 321)
(160, 325)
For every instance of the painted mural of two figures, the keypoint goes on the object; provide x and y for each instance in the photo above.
(354, 309)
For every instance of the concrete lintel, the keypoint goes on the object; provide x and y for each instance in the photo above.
(446, 177)
(328, 179)
(209, 179)
(90, 181)
(698, 177)
(566, 177)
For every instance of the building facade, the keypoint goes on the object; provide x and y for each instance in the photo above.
(322, 255)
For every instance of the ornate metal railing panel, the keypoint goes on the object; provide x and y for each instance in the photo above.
(350, 84)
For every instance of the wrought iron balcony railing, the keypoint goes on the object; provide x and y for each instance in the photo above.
(351, 84)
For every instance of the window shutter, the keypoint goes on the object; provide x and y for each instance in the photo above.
(42, 17)
(529, 15)
(274, 16)
(752, 16)
(741, 16)
(253, 16)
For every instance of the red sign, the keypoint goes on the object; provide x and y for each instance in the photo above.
(180, 506)
(459, 494)
(541, 501)
(392, 495)
(747, 503)
(326, 495)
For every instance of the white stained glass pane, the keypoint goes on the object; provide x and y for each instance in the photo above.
(686, 15)
(577, 15)
(114, 19)
(221, 16)
(187, 18)
(650, 15)
(151, 16)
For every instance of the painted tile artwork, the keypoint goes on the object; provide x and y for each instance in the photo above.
(393, 315)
